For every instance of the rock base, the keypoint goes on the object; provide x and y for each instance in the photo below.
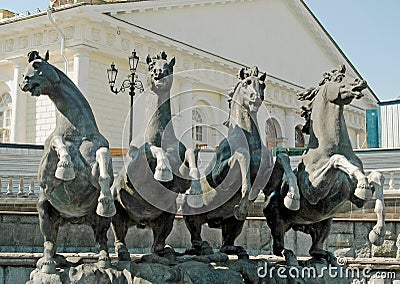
(215, 268)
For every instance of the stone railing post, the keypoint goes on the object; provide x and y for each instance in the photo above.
(391, 181)
(31, 192)
(21, 186)
(10, 185)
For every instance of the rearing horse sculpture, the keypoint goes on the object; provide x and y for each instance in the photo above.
(147, 188)
(241, 169)
(328, 174)
(75, 172)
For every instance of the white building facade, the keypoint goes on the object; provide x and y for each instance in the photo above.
(210, 39)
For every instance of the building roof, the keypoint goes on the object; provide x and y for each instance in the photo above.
(114, 8)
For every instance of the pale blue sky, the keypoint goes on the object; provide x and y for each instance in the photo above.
(367, 31)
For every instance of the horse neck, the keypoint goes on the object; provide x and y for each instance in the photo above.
(158, 108)
(246, 121)
(72, 108)
(328, 127)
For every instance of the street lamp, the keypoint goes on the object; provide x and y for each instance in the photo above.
(131, 83)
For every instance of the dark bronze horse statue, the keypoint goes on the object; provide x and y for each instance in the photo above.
(156, 171)
(241, 169)
(75, 172)
(328, 174)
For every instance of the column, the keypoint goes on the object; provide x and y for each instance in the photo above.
(81, 70)
(19, 103)
(184, 132)
(290, 128)
(139, 112)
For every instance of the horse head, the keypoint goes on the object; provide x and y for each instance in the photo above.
(39, 77)
(249, 92)
(336, 87)
(160, 72)
(342, 88)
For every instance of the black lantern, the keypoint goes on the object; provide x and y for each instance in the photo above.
(131, 83)
(112, 75)
(133, 61)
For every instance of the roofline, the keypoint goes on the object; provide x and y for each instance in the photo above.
(199, 49)
(337, 46)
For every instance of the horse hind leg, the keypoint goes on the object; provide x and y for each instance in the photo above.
(100, 226)
(189, 170)
(105, 207)
(242, 157)
(65, 167)
(319, 233)
(276, 222)
(231, 229)
(377, 235)
(119, 226)
(49, 221)
(194, 224)
(161, 228)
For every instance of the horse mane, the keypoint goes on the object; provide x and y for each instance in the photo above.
(310, 94)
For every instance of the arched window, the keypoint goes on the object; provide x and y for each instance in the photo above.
(5, 118)
(299, 137)
(272, 136)
(198, 129)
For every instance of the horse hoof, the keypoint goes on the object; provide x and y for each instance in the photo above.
(65, 173)
(194, 201)
(123, 253)
(375, 238)
(364, 193)
(291, 203)
(241, 216)
(104, 263)
(47, 265)
(106, 207)
(163, 175)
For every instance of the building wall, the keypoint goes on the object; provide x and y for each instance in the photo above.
(91, 46)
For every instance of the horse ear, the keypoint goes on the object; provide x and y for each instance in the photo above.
(148, 60)
(241, 74)
(47, 56)
(263, 77)
(172, 63)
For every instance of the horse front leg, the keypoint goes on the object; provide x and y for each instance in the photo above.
(189, 170)
(105, 206)
(292, 198)
(65, 167)
(242, 158)
(163, 170)
(363, 190)
(377, 235)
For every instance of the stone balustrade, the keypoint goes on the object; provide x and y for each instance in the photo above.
(18, 186)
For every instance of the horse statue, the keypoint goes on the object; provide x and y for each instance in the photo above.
(328, 174)
(156, 171)
(75, 172)
(240, 170)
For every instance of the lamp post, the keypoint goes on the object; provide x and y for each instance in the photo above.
(132, 83)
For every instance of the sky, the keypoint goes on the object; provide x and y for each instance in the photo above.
(367, 31)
